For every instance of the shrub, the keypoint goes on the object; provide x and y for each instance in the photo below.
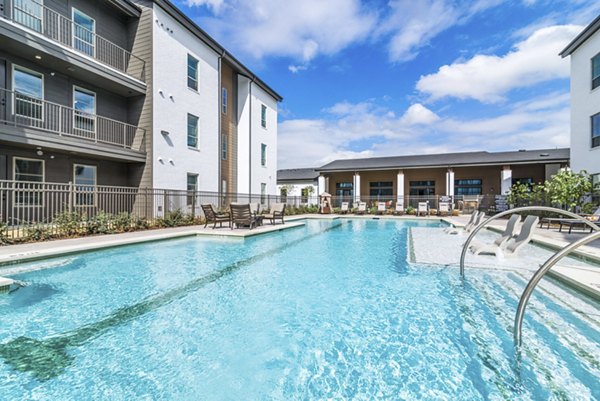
(175, 218)
(122, 222)
(37, 233)
(411, 210)
(99, 224)
(69, 223)
(4, 240)
(140, 223)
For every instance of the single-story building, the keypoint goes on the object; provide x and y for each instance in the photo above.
(299, 182)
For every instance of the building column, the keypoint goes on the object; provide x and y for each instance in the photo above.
(400, 187)
(321, 185)
(450, 182)
(356, 187)
(505, 180)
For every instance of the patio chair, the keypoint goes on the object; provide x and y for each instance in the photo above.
(399, 209)
(380, 208)
(277, 213)
(444, 209)
(473, 222)
(525, 235)
(362, 208)
(500, 242)
(211, 216)
(344, 209)
(241, 215)
(423, 207)
(255, 208)
(569, 222)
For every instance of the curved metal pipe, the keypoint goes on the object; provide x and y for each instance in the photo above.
(535, 279)
(517, 210)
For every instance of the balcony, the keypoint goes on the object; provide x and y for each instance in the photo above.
(46, 22)
(56, 122)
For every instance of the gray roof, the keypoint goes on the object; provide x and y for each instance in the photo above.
(450, 160)
(581, 38)
(297, 174)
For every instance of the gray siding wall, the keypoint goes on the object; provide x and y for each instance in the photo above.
(59, 89)
(60, 168)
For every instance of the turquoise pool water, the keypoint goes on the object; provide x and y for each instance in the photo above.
(331, 310)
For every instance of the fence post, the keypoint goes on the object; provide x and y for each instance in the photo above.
(71, 196)
(193, 204)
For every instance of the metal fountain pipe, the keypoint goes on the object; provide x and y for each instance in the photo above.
(517, 210)
(535, 279)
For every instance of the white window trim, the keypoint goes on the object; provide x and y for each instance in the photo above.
(592, 72)
(41, 18)
(32, 72)
(14, 176)
(95, 184)
(89, 92)
(224, 146)
(224, 100)
(261, 119)
(187, 120)
(263, 145)
(187, 77)
(73, 11)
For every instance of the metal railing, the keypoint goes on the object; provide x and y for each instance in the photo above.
(465, 204)
(30, 205)
(49, 23)
(25, 111)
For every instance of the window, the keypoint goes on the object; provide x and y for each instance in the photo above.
(84, 32)
(596, 71)
(263, 154)
(192, 73)
(29, 172)
(29, 13)
(304, 192)
(596, 130)
(29, 93)
(192, 131)
(263, 193)
(343, 189)
(525, 180)
(223, 147)
(468, 187)
(263, 116)
(381, 189)
(224, 100)
(84, 178)
(422, 188)
(192, 187)
(224, 186)
(84, 117)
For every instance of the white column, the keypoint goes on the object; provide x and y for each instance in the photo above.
(321, 185)
(400, 187)
(356, 187)
(505, 180)
(450, 182)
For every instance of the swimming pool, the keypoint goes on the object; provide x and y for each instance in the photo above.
(331, 310)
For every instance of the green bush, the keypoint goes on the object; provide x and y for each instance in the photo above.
(140, 223)
(122, 222)
(37, 233)
(4, 240)
(100, 224)
(175, 218)
(69, 223)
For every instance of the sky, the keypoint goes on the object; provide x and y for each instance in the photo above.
(368, 78)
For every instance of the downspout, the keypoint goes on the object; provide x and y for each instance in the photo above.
(250, 137)
(220, 134)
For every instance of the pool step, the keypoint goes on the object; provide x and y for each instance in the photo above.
(5, 284)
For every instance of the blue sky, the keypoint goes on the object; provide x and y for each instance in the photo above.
(396, 77)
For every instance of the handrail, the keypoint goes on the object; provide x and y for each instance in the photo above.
(517, 210)
(65, 31)
(539, 274)
(27, 111)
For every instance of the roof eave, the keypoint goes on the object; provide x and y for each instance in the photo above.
(127, 7)
(581, 38)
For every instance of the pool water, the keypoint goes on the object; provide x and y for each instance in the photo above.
(331, 310)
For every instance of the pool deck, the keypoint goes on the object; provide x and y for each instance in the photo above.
(10, 254)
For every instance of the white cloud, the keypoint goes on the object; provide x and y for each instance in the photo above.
(299, 29)
(488, 78)
(365, 129)
(215, 5)
(419, 114)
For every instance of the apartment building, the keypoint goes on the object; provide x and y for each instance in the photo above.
(585, 100)
(129, 93)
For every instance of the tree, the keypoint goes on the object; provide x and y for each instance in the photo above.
(567, 188)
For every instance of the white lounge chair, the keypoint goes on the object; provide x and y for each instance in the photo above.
(501, 241)
(362, 208)
(381, 208)
(399, 209)
(525, 235)
(423, 207)
(344, 208)
(444, 208)
(467, 227)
